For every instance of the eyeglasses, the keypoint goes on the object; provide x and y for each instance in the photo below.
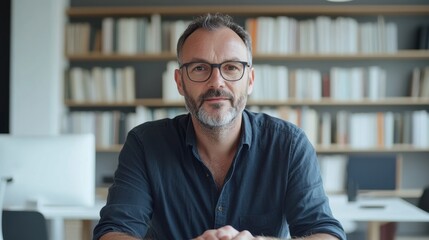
(201, 71)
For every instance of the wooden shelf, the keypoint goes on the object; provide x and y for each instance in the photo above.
(122, 57)
(400, 55)
(397, 148)
(283, 9)
(110, 149)
(402, 193)
(394, 101)
(166, 56)
(155, 102)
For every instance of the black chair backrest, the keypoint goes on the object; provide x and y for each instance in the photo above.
(19, 225)
(424, 200)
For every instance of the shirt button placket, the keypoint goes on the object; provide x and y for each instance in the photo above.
(220, 217)
(221, 209)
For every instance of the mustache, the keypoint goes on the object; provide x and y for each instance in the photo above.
(216, 93)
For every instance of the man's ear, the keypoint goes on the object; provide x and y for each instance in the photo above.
(251, 81)
(178, 79)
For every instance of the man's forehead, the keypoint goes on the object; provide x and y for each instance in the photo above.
(222, 32)
(222, 41)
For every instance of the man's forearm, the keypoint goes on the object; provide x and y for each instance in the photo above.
(117, 236)
(319, 236)
(123, 236)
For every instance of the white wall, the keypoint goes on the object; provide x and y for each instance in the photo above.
(37, 65)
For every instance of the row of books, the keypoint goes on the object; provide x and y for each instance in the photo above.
(111, 127)
(282, 34)
(325, 35)
(272, 83)
(77, 38)
(358, 130)
(279, 83)
(108, 85)
(124, 36)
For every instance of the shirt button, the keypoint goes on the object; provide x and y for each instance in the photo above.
(220, 208)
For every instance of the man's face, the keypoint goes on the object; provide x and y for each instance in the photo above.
(215, 102)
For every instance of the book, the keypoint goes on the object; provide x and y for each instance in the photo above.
(415, 83)
(333, 172)
(107, 25)
(325, 129)
(252, 29)
(341, 126)
(129, 84)
(424, 91)
(108, 78)
(76, 84)
(169, 87)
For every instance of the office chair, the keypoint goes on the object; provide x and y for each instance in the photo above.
(424, 200)
(24, 225)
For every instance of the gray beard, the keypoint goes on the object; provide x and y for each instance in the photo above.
(218, 122)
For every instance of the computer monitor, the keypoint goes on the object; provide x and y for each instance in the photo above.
(48, 170)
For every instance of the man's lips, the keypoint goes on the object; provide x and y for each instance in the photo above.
(216, 99)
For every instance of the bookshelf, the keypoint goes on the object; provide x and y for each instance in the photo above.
(251, 10)
(156, 102)
(398, 65)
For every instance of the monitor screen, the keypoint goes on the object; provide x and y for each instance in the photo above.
(48, 170)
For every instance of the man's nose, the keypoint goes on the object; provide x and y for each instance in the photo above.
(216, 80)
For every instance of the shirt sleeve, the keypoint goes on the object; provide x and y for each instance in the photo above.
(129, 202)
(307, 206)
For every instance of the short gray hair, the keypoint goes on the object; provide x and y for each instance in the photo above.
(212, 22)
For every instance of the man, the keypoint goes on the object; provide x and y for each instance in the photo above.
(219, 172)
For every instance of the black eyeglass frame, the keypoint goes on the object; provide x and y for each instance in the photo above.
(216, 65)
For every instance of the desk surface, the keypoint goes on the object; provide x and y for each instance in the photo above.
(371, 210)
(73, 212)
(365, 209)
(368, 209)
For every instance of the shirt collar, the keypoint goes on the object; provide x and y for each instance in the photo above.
(190, 132)
(246, 134)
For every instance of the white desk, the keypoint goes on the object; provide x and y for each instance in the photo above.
(381, 210)
(376, 211)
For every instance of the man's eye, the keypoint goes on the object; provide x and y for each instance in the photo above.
(231, 67)
(199, 68)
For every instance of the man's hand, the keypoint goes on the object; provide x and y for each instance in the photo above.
(225, 233)
(230, 233)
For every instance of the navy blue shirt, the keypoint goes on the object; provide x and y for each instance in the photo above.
(162, 188)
